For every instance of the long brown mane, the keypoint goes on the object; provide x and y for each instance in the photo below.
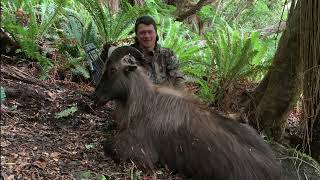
(162, 125)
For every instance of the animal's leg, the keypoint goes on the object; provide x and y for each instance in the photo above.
(126, 146)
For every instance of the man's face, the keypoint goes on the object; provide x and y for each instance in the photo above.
(146, 35)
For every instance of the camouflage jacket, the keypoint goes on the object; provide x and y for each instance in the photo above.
(162, 66)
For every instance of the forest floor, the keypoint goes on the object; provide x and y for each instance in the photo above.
(36, 144)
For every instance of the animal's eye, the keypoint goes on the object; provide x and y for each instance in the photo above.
(113, 70)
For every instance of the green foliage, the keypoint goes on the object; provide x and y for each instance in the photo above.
(224, 55)
(113, 27)
(102, 177)
(77, 66)
(250, 15)
(187, 46)
(89, 146)
(235, 56)
(2, 94)
(159, 10)
(67, 112)
(78, 24)
(205, 91)
(30, 27)
(86, 175)
(261, 14)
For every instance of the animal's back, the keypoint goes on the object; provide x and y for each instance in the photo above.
(205, 145)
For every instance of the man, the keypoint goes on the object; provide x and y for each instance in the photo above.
(162, 66)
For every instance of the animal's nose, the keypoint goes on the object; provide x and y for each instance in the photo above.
(96, 99)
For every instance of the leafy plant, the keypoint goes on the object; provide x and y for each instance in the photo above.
(67, 112)
(235, 56)
(112, 27)
(158, 9)
(28, 22)
(2, 94)
(86, 175)
(78, 24)
(205, 91)
(89, 146)
(102, 177)
(77, 65)
(188, 47)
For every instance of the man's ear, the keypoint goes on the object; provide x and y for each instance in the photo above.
(130, 68)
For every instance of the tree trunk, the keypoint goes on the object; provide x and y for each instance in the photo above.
(310, 55)
(278, 91)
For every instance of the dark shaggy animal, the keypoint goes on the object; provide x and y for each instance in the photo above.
(160, 125)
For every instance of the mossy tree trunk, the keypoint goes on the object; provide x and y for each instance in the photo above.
(278, 91)
(295, 70)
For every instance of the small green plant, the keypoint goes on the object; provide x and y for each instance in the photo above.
(102, 177)
(89, 146)
(2, 94)
(78, 66)
(67, 112)
(86, 175)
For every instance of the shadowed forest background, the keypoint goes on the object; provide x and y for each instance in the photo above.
(257, 61)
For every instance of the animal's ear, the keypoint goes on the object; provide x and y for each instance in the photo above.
(130, 68)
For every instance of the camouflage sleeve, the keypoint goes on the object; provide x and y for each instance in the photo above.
(175, 76)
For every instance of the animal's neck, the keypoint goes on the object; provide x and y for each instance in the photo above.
(140, 91)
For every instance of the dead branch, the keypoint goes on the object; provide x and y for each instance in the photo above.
(276, 28)
(193, 10)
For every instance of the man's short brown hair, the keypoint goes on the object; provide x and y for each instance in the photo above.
(147, 20)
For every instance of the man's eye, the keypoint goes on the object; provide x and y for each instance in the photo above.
(146, 32)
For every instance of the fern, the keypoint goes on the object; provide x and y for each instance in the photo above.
(112, 27)
(2, 94)
(186, 45)
(235, 55)
(40, 18)
(158, 8)
(77, 65)
(67, 112)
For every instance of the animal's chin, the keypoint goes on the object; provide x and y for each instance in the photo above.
(104, 99)
(101, 100)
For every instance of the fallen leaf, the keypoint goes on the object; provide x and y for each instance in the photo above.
(23, 153)
(52, 96)
(15, 156)
(5, 143)
(11, 177)
(55, 156)
(20, 167)
(40, 163)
